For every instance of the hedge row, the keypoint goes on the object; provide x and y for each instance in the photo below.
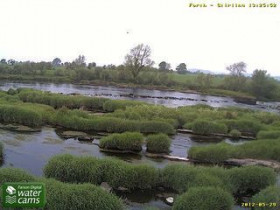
(178, 177)
(63, 196)
(259, 149)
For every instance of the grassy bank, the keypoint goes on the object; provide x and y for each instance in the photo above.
(260, 149)
(178, 177)
(65, 196)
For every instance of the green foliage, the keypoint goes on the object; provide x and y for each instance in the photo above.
(112, 105)
(158, 143)
(201, 198)
(21, 115)
(213, 153)
(251, 179)
(181, 177)
(14, 175)
(268, 135)
(89, 169)
(260, 149)
(204, 127)
(247, 126)
(125, 141)
(269, 195)
(58, 100)
(235, 134)
(62, 196)
(156, 127)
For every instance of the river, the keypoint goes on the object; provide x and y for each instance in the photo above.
(166, 98)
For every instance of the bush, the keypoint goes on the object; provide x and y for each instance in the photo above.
(214, 153)
(204, 127)
(62, 196)
(201, 198)
(125, 141)
(235, 134)
(269, 195)
(158, 143)
(251, 179)
(268, 135)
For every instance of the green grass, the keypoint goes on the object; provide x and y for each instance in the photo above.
(204, 127)
(158, 143)
(64, 196)
(270, 196)
(201, 198)
(268, 135)
(117, 173)
(259, 149)
(125, 141)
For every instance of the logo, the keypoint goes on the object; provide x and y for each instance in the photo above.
(26, 194)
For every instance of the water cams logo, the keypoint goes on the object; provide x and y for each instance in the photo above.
(29, 194)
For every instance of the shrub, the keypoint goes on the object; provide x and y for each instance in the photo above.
(214, 153)
(125, 141)
(62, 196)
(269, 195)
(251, 179)
(235, 134)
(158, 143)
(268, 135)
(201, 198)
(204, 127)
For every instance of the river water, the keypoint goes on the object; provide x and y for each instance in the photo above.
(167, 98)
(31, 151)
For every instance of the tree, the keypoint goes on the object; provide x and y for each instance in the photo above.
(11, 61)
(237, 69)
(236, 81)
(3, 61)
(138, 58)
(182, 68)
(80, 61)
(262, 86)
(163, 66)
(91, 65)
(56, 62)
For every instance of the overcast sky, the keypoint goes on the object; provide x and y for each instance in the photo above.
(105, 30)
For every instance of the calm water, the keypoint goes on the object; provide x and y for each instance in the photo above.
(167, 98)
(31, 151)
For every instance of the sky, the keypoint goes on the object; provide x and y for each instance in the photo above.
(105, 30)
